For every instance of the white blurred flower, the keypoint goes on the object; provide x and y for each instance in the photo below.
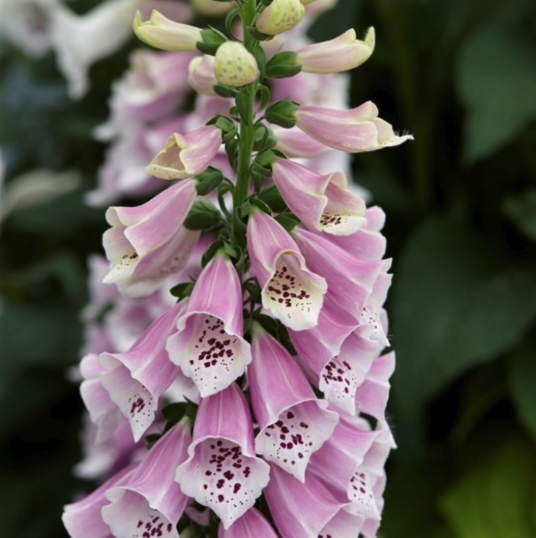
(36, 188)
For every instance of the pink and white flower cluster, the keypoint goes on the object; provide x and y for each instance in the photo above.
(273, 357)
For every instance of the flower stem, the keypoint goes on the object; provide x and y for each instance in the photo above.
(247, 127)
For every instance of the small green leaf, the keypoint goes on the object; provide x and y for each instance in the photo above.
(211, 251)
(282, 113)
(289, 221)
(209, 180)
(283, 65)
(203, 216)
(272, 197)
(261, 205)
(182, 290)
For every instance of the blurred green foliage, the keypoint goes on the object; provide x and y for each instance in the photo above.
(461, 206)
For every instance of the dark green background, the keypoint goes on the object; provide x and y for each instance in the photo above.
(461, 205)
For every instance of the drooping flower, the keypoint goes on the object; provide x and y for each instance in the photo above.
(355, 131)
(187, 155)
(280, 16)
(293, 423)
(348, 446)
(350, 280)
(290, 291)
(252, 523)
(163, 33)
(343, 53)
(302, 510)
(135, 380)
(222, 471)
(321, 201)
(148, 243)
(234, 65)
(151, 502)
(83, 519)
(209, 345)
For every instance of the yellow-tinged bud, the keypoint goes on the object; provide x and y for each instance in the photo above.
(162, 33)
(234, 65)
(211, 7)
(280, 16)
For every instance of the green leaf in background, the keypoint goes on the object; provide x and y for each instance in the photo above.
(496, 79)
(33, 334)
(521, 210)
(411, 497)
(455, 306)
(523, 385)
(496, 500)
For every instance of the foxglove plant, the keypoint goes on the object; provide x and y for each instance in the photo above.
(262, 392)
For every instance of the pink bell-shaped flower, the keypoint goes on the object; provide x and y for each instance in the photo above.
(83, 519)
(222, 471)
(151, 501)
(149, 242)
(350, 280)
(290, 291)
(321, 201)
(209, 345)
(293, 422)
(355, 131)
(135, 380)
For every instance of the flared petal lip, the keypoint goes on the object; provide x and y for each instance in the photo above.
(317, 279)
(113, 494)
(227, 324)
(322, 404)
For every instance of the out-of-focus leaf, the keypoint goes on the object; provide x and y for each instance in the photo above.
(496, 79)
(335, 21)
(387, 192)
(484, 389)
(523, 385)
(36, 334)
(410, 500)
(455, 306)
(521, 209)
(496, 500)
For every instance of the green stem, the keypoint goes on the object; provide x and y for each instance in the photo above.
(247, 127)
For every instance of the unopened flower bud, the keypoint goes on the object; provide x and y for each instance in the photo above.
(280, 16)
(211, 7)
(201, 75)
(234, 65)
(340, 54)
(162, 33)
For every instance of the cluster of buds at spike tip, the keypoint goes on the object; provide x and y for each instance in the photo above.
(260, 388)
